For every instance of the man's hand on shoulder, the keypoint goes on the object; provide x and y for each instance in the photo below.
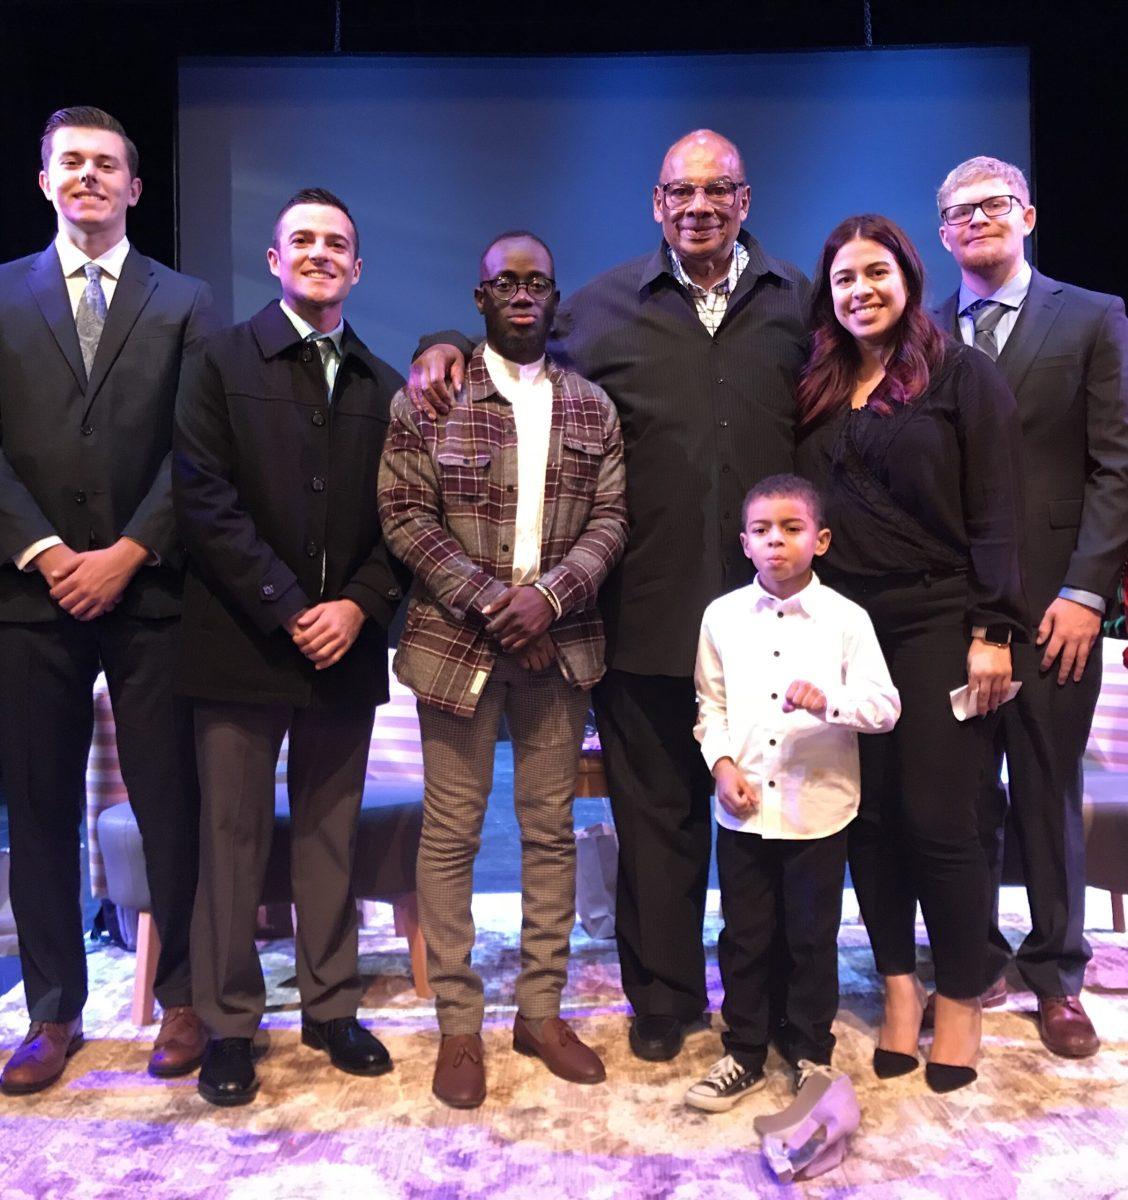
(519, 614)
(89, 584)
(435, 377)
(1068, 629)
(325, 633)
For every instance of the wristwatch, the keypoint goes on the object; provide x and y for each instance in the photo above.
(993, 635)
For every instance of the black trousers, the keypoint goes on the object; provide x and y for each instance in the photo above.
(238, 747)
(1043, 732)
(782, 903)
(916, 836)
(47, 674)
(660, 789)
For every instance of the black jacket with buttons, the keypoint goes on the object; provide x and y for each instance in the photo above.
(270, 480)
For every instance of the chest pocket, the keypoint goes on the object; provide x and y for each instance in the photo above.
(579, 464)
(463, 478)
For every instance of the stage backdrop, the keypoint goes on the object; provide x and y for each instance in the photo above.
(436, 155)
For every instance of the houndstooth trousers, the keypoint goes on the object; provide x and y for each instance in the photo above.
(545, 715)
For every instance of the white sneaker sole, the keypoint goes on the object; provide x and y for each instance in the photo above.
(707, 1103)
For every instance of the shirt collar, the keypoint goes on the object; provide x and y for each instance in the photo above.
(1012, 293)
(658, 263)
(806, 601)
(306, 330)
(502, 370)
(725, 286)
(72, 259)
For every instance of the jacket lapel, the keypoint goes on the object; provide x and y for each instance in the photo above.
(1043, 303)
(131, 295)
(45, 279)
(945, 316)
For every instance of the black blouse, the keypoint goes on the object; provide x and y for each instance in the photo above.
(931, 487)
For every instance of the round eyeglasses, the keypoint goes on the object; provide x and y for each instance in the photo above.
(505, 287)
(992, 206)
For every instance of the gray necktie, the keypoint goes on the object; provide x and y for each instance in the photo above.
(985, 315)
(91, 315)
(330, 359)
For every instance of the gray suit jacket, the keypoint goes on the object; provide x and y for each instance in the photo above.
(1066, 361)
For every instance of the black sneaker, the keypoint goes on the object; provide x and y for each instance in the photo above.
(726, 1083)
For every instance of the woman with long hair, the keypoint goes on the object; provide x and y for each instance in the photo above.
(915, 440)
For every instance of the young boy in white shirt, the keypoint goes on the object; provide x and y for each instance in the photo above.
(788, 673)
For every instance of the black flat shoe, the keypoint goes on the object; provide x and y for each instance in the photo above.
(350, 1046)
(888, 1064)
(227, 1074)
(942, 1077)
(657, 1038)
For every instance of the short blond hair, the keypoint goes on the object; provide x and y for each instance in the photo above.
(982, 167)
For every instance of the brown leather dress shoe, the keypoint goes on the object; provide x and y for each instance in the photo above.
(1065, 1027)
(559, 1049)
(41, 1056)
(179, 1046)
(460, 1071)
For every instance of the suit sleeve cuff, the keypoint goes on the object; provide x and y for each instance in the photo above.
(1080, 596)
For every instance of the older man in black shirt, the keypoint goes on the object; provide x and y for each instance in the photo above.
(699, 345)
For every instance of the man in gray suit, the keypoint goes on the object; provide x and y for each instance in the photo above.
(91, 339)
(1064, 352)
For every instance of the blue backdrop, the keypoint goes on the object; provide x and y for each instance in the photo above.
(436, 155)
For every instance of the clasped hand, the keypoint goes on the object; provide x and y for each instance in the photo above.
(325, 632)
(90, 583)
(519, 615)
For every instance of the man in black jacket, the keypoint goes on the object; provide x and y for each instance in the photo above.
(279, 428)
(699, 345)
(91, 339)
(1064, 353)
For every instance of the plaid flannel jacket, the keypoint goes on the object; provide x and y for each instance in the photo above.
(448, 505)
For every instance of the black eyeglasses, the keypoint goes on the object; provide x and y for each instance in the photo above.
(721, 193)
(505, 287)
(993, 206)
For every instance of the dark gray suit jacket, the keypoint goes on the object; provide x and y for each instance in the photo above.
(88, 459)
(1066, 361)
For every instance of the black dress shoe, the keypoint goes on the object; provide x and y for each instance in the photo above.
(351, 1047)
(656, 1038)
(227, 1074)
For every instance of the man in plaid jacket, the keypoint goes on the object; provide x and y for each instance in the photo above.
(510, 511)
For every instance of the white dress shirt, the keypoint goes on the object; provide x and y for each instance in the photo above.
(529, 392)
(1012, 295)
(753, 646)
(73, 261)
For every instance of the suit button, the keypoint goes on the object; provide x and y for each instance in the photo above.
(505, 546)
(267, 590)
(394, 593)
(80, 497)
(307, 354)
(318, 417)
(311, 549)
(317, 483)
(86, 430)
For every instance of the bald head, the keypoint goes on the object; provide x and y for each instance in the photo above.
(702, 231)
(700, 146)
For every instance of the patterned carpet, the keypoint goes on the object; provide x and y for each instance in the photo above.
(1033, 1127)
